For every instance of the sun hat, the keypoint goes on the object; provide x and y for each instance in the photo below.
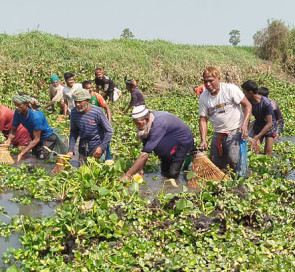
(81, 94)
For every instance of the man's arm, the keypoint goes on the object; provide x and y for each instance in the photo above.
(11, 135)
(267, 126)
(129, 106)
(66, 106)
(108, 112)
(137, 165)
(247, 110)
(34, 142)
(203, 131)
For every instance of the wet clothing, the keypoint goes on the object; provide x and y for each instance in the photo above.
(93, 128)
(42, 153)
(225, 149)
(171, 140)
(67, 94)
(107, 86)
(136, 98)
(260, 110)
(278, 115)
(223, 110)
(22, 136)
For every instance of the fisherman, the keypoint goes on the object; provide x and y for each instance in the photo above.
(279, 118)
(35, 122)
(55, 94)
(265, 121)
(105, 84)
(165, 134)
(90, 123)
(22, 136)
(68, 90)
(221, 103)
(97, 100)
(136, 96)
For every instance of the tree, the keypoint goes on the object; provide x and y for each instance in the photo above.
(234, 37)
(127, 34)
(276, 42)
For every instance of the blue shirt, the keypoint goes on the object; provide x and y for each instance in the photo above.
(34, 120)
(93, 128)
(169, 137)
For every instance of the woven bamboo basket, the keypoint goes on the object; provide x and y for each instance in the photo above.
(5, 156)
(204, 170)
(61, 162)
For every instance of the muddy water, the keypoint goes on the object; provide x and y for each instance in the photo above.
(155, 183)
(36, 208)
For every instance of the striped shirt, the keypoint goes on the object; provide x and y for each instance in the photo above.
(93, 128)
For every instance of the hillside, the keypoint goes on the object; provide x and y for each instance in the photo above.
(27, 59)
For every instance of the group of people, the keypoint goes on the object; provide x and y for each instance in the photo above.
(226, 106)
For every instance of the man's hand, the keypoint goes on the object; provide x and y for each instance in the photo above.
(255, 145)
(203, 144)
(124, 178)
(97, 152)
(244, 132)
(7, 142)
(70, 154)
(19, 156)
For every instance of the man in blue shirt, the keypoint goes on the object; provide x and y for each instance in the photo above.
(35, 122)
(90, 123)
(166, 135)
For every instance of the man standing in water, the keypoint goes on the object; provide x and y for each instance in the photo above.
(165, 134)
(90, 123)
(221, 103)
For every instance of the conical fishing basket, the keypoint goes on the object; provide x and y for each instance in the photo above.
(61, 163)
(5, 156)
(204, 170)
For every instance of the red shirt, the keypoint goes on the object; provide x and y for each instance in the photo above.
(22, 136)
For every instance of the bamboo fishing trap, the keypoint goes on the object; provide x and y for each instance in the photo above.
(61, 163)
(204, 170)
(5, 156)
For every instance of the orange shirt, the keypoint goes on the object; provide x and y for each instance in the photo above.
(198, 90)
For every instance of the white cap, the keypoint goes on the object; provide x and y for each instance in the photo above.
(139, 111)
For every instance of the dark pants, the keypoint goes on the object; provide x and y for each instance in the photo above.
(230, 150)
(171, 169)
(109, 95)
(40, 152)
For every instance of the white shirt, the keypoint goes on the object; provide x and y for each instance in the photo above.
(223, 109)
(67, 94)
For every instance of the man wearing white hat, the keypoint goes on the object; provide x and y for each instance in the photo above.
(165, 134)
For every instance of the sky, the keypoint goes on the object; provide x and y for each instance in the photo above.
(206, 22)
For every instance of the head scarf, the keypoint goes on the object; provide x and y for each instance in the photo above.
(54, 77)
(131, 82)
(21, 98)
(81, 94)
